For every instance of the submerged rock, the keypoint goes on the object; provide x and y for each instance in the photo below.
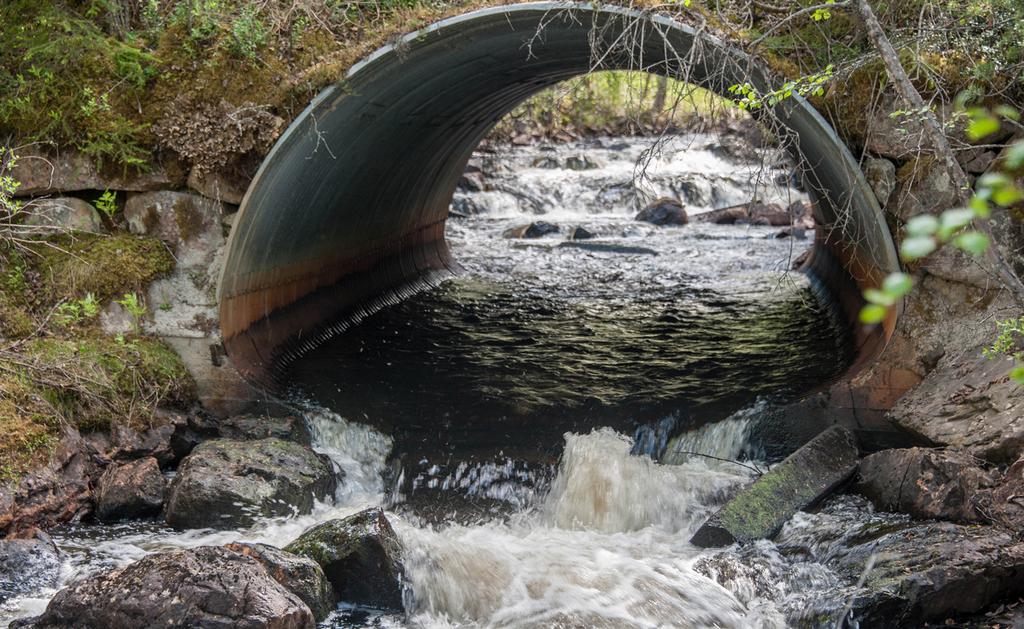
(299, 575)
(801, 480)
(27, 565)
(924, 483)
(580, 233)
(533, 230)
(663, 211)
(207, 586)
(131, 490)
(360, 555)
(227, 484)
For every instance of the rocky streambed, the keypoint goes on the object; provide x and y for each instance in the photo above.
(539, 443)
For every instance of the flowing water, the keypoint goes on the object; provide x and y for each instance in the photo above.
(506, 420)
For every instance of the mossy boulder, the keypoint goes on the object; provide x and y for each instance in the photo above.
(801, 480)
(226, 484)
(361, 556)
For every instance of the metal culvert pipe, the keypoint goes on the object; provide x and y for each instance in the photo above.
(347, 212)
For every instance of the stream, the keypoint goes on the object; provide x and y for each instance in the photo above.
(529, 425)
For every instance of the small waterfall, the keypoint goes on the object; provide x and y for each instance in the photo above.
(727, 439)
(358, 450)
(606, 548)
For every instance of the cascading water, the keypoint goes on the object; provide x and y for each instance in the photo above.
(490, 417)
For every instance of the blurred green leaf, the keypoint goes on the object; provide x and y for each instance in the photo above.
(922, 225)
(917, 247)
(982, 127)
(897, 284)
(873, 313)
(972, 242)
(876, 296)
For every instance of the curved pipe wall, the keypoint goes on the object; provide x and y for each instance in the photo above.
(347, 212)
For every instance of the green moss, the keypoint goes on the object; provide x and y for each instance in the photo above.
(106, 266)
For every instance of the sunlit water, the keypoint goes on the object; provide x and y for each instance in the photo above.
(494, 418)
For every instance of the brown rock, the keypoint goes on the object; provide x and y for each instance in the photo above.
(42, 172)
(131, 490)
(768, 214)
(924, 483)
(219, 186)
(1004, 504)
(663, 211)
(301, 576)
(881, 176)
(724, 216)
(56, 493)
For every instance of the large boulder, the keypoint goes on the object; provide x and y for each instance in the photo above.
(131, 490)
(299, 575)
(227, 484)
(208, 587)
(871, 569)
(64, 214)
(768, 214)
(361, 556)
(220, 186)
(923, 187)
(663, 211)
(27, 565)
(188, 223)
(924, 483)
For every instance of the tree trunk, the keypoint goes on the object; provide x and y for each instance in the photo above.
(936, 137)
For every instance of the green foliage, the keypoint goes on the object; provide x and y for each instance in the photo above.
(748, 97)
(1009, 343)
(107, 204)
(248, 34)
(74, 312)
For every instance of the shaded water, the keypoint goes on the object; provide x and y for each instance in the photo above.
(494, 417)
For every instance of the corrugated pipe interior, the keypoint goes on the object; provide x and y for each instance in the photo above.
(347, 212)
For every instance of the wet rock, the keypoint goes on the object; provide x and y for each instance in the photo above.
(299, 575)
(802, 214)
(227, 484)
(913, 572)
(361, 556)
(27, 565)
(535, 229)
(724, 216)
(132, 490)
(546, 162)
(55, 493)
(244, 427)
(798, 233)
(768, 214)
(734, 148)
(967, 403)
(41, 172)
(923, 483)
(201, 587)
(188, 223)
(463, 207)
(128, 444)
(219, 186)
(580, 162)
(663, 211)
(881, 176)
(472, 179)
(1004, 504)
(607, 247)
(64, 214)
(580, 233)
(801, 480)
